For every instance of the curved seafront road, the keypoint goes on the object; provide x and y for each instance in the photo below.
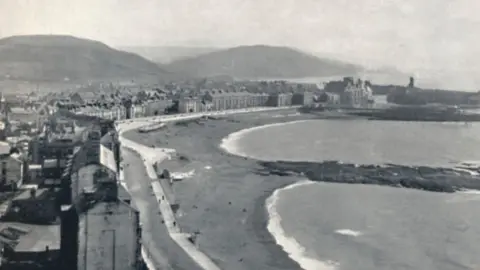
(150, 156)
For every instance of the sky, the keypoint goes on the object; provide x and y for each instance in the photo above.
(438, 37)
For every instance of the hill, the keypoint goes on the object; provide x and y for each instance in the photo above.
(260, 61)
(167, 54)
(54, 58)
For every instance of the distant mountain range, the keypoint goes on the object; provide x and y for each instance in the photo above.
(167, 54)
(260, 61)
(65, 58)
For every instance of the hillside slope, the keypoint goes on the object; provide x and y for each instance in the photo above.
(261, 62)
(167, 54)
(43, 57)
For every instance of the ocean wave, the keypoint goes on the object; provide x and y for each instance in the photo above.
(348, 232)
(458, 177)
(294, 250)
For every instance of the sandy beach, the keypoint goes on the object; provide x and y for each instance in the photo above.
(223, 200)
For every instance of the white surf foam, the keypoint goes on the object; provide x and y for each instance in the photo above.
(183, 175)
(471, 172)
(230, 143)
(294, 250)
(348, 232)
(464, 196)
(286, 115)
(469, 191)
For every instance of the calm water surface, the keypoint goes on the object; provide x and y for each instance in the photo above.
(373, 227)
(366, 142)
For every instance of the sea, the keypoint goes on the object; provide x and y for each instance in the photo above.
(369, 227)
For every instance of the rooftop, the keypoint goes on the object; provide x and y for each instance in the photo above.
(4, 148)
(86, 176)
(39, 193)
(29, 238)
(110, 209)
(123, 194)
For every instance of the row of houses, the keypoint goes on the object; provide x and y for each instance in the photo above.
(125, 111)
(206, 100)
(218, 100)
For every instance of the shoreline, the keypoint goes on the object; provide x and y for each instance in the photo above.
(207, 141)
(262, 245)
(186, 138)
(455, 177)
(464, 182)
(156, 155)
(289, 244)
(228, 143)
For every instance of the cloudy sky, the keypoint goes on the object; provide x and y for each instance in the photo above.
(440, 35)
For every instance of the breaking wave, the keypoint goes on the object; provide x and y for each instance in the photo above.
(294, 250)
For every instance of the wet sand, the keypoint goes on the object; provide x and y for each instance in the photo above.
(224, 200)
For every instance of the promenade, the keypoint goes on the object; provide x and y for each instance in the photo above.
(151, 155)
(160, 251)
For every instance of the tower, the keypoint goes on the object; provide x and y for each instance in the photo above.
(411, 84)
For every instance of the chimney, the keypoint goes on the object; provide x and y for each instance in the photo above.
(110, 192)
(106, 184)
(359, 83)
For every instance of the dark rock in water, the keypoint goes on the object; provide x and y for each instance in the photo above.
(422, 177)
(280, 173)
(183, 158)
